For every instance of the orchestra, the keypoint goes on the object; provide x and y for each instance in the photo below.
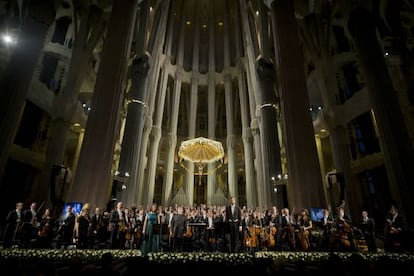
(201, 228)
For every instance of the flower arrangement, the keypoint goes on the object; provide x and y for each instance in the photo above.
(204, 257)
(94, 255)
(87, 255)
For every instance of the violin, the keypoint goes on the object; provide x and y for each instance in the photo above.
(43, 230)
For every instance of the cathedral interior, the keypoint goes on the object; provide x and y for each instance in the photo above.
(311, 101)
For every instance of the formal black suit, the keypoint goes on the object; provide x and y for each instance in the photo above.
(29, 227)
(11, 230)
(367, 228)
(118, 224)
(233, 219)
(68, 227)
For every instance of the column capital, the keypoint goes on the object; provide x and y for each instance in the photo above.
(268, 3)
(140, 65)
(172, 138)
(230, 141)
(148, 121)
(156, 132)
(265, 68)
(247, 135)
(195, 78)
(254, 127)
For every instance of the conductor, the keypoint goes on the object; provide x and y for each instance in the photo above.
(233, 218)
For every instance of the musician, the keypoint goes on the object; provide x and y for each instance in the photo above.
(67, 227)
(233, 219)
(128, 227)
(287, 237)
(250, 238)
(327, 223)
(98, 227)
(151, 239)
(221, 229)
(139, 224)
(274, 221)
(178, 230)
(305, 226)
(117, 222)
(366, 227)
(84, 227)
(343, 232)
(13, 226)
(29, 226)
(258, 227)
(210, 235)
(394, 229)
(45, 230)
(201, 229)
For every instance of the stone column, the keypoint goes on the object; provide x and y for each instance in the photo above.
(267, 113)
(93, 177)
(302, 159)
(231, 155)
(156, 107)
(155, 67)
(18, 74)
(191, 134)
(189, 177)
(172, 142)
(393, 135)
(258, 162)
(173, 122)
(211, 178)
(247, 143)
(252, 88)
(134, 125)
(155, 136)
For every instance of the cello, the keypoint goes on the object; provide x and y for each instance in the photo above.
(269, 240)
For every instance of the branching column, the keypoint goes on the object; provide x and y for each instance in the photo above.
(156, 63)
(247, 143)
(155, 137)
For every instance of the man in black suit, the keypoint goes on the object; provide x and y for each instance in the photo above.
(29, 227)
(13, 226)
(233, 218)
(367, 229)
(395, 226)
(68, 227)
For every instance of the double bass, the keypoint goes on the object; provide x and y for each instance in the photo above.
(250, 239)
(303, 237)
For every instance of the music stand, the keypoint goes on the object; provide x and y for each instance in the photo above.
(156, 229)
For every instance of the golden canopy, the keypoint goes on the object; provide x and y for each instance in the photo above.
(201, 150)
